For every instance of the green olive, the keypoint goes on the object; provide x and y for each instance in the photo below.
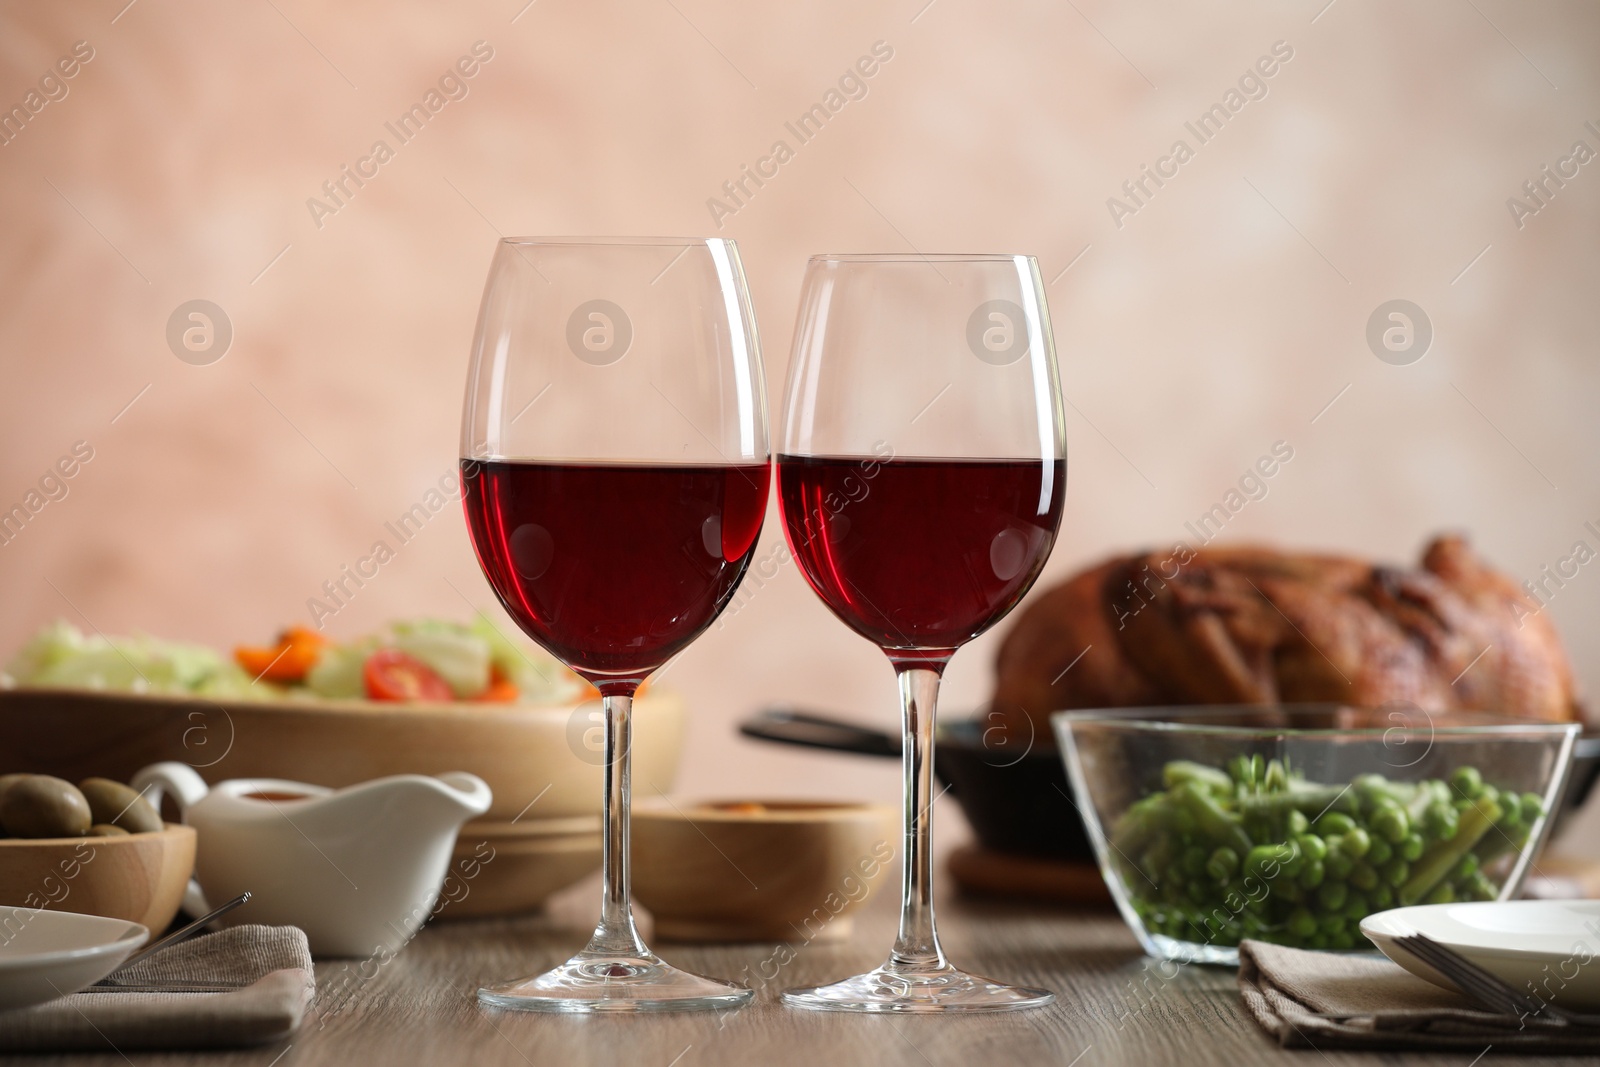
(117, 804)
(5, 783)
(105, 829)
(41, 806)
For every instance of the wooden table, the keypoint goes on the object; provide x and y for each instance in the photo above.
(1112, 1008)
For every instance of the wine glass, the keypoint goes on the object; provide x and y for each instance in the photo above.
(921, 475)
(615, 471)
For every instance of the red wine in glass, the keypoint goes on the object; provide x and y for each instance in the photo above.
(920, 553)
(614, 568)
(921, 474)
(615, 520)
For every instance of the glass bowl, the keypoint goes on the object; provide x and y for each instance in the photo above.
(1292, 823)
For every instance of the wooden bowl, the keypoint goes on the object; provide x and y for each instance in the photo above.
(139, 878)
(764, 870)
(515, 868)
(525, 753)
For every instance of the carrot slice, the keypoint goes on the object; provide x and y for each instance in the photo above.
(296, 652)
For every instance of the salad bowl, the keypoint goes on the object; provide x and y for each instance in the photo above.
(422, 697)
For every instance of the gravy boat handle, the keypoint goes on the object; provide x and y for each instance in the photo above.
(179, 779)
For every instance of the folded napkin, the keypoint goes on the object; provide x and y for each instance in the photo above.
(266, 972)
(1292, 993)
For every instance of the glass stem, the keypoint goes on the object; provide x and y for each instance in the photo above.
(616, 935)
(917, 946)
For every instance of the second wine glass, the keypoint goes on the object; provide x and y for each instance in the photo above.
(921, 473)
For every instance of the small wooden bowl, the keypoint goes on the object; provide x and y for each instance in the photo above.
(761, 870)
(140, 877)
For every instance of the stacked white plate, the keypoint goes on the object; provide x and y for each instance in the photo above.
(48, 954)
(1547, 948)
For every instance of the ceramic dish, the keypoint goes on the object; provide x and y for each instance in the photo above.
(1544, 947)
(48, 954)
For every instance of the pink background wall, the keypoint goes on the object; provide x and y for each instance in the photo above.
(1220, 317)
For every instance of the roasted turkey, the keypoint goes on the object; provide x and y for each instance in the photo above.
(1251, 625)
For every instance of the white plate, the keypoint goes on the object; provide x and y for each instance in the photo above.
(1549, 948)
(47, 954)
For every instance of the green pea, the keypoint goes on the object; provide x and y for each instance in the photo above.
(1442, 821)
(1442, 894)
(1312, 874)
(1411, 848)
(1467, 867)
(1331, 895)
(1488, 795)
(1331, 924)
(1338, 865)
(1312, 846)
(1390, 822)
(1302, 923)
(1342, 941)
(1223, 864)
(1466, 781)
(1382, 898)
(1356, 908)
(1194, 861)
(1532, 807)
(1298, 823)
(1263, 856)
(1356, 843)
(1380, 852)
(1364, 876)
(1396, 871)
(1318, 941)
(1335, 822)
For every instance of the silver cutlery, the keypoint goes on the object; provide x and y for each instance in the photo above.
(183, 933)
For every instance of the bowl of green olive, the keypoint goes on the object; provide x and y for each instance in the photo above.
(1290, 824)
(96, 847)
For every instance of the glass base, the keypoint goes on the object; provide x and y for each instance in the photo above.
(890, 990)
(593, 982)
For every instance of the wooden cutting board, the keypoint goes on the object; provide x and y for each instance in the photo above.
(1562, 877)
(984, 872)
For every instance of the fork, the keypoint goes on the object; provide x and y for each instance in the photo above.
(1488, 990)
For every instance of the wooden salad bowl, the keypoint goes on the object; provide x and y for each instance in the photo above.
(547, 757)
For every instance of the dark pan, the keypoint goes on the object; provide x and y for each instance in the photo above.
(1014, 791)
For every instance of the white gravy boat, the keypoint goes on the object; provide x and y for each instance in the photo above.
(357, 869)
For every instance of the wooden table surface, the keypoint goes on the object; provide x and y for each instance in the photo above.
(1112, 1007)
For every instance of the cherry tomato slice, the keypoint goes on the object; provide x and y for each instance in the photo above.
(390, 674)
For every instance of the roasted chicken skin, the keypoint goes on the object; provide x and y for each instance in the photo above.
(1254, 625)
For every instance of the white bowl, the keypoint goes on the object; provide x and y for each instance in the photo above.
(1547, 948)
(48, 954)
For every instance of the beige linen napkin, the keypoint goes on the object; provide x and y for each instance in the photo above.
(1291, 992)
(269, 965)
